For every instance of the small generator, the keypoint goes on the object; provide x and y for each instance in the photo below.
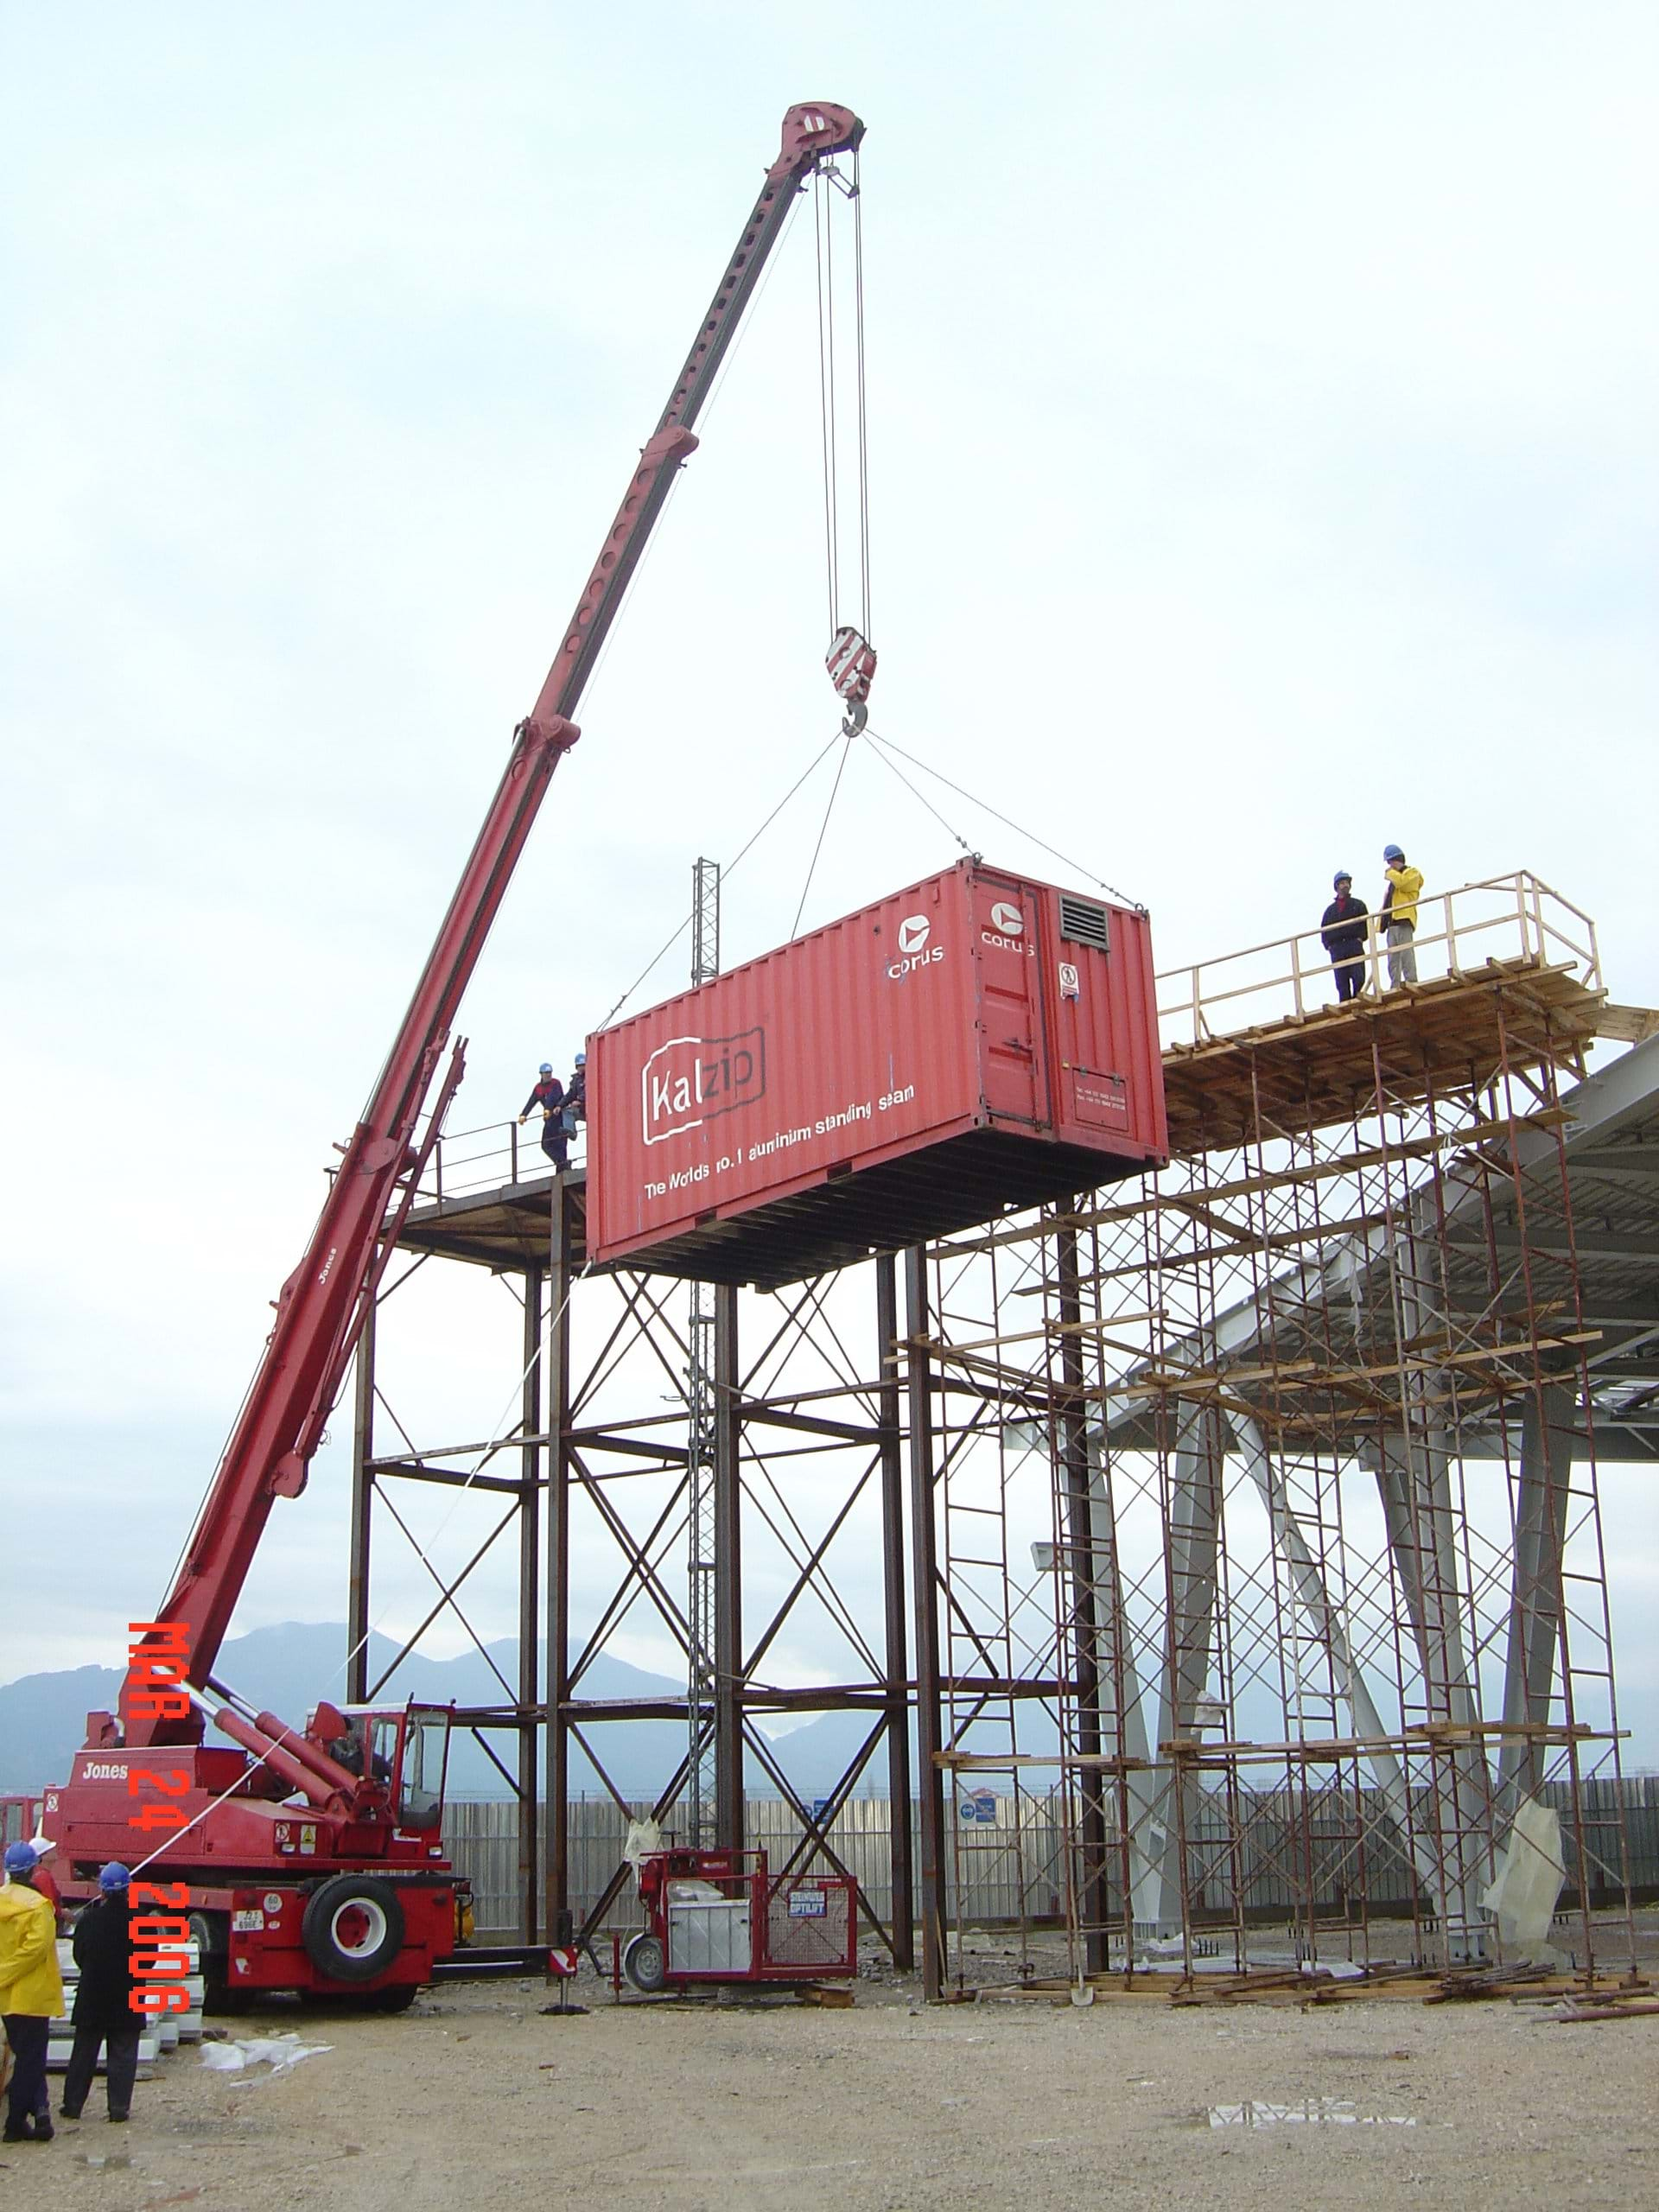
(721, 1916)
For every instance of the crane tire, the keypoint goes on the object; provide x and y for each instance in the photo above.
(352, 1927)
(645, 1963)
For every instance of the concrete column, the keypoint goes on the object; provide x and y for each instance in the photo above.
(1535, 1595)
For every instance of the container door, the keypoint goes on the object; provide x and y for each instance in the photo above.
(1008, 917)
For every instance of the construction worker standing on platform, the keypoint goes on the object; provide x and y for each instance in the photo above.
(575, 1096)
(1342, 933)
(31, 1993)
(547, 1098)
(1400, 914)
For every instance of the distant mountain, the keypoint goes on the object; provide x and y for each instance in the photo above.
(286, 1668)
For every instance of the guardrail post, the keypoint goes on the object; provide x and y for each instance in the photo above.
(512, 1149)
(1450, 936)
(1296, 973)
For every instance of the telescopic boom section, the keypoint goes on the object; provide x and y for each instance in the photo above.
(320, 1313)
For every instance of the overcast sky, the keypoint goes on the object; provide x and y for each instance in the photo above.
(1262, 467)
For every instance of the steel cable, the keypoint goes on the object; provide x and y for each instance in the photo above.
(1005, 820)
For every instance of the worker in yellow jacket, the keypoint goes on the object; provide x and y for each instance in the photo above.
(31, 1991)
(1400, 914)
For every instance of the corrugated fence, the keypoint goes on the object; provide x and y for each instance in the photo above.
(1009, 1866)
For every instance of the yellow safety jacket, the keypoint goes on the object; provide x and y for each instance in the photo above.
(1404, 884)
(29, 1980)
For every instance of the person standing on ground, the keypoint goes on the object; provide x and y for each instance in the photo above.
(1342, 933)
(31, 1993)
(1400, 913)
(103, 2016)
(48, 1889)
(547, 1095)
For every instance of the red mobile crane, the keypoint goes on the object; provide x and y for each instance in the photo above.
(312, 1856)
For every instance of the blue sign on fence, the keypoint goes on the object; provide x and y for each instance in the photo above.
(821, 1809)
(977, 1805)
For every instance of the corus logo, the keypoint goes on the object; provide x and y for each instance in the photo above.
(914, 951)
(1008, 919)
(691, 1080)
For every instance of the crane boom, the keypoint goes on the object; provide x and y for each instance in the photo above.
(320, 1312)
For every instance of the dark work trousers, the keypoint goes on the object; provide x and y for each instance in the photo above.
(555, 1140)
(120, 2066)
(29, 2034)
(1350, 978)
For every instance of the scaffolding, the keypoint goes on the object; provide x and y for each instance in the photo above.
(1229, 1538)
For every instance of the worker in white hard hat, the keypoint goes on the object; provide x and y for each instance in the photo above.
(547, 1099)
(31, 1993)
(1405, 885)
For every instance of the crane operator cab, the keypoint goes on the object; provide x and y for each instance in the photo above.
(405, 1749)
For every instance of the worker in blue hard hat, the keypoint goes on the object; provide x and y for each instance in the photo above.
(576, 1095)
(31, 1993)
(103, 2017)
(547, 1098)
(1343, 929)
(1405, 885)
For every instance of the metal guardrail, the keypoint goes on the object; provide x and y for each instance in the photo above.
(466, 1161)
(1505, 917)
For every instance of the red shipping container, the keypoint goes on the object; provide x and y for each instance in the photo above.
(974, 1044)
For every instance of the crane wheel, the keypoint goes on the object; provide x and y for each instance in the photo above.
(645, 1964)
(352, 1927)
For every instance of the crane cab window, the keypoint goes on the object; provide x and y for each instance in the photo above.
(425, 1747)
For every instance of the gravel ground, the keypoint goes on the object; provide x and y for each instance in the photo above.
(475, 2097)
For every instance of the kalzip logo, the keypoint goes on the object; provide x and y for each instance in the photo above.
(691, 1080)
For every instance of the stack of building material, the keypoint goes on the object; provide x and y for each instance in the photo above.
(160, 2035)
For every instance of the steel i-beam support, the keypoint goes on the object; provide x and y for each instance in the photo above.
(561, 1275)
(895, 1658)
(357, 1602)
(529, 1624)
(926, 1573)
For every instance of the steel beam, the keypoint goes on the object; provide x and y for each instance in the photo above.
(1082, 1579)
(895, 1655)
(728, 1572)
(357, 1599)
(561, 1277)
(529, 1621)
(932, 1901)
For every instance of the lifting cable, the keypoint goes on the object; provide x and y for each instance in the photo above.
(827, 181)
(811, 866)
(887, 746)
(684, 924)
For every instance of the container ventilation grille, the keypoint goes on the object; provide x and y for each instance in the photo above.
(1084, 922)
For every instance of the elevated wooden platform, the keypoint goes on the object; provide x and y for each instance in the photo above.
(1322, 1067)
(1301, 1072)
(506, 1229)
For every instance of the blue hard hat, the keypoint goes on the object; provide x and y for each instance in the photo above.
(1392, 852)
(546, 1068)
(582, 1060)
(1342, 876)
(22, 1857)
(113, 1876)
